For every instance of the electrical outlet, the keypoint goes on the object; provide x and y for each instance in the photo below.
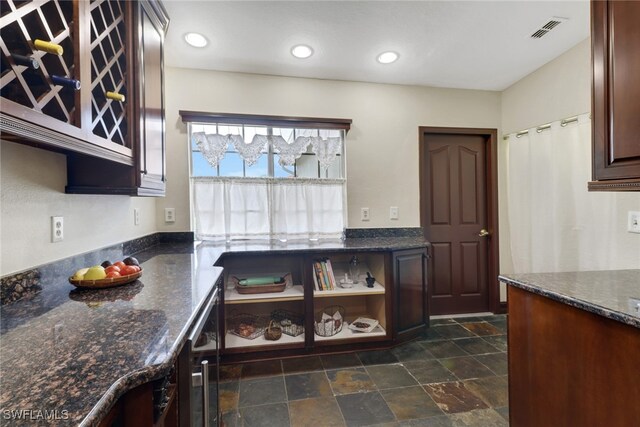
(393, 212)
(57, 229)
(169, 214)
(633, 224)
(364, 214)
(136, 216)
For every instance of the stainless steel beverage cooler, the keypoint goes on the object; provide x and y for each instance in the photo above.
(203, 344)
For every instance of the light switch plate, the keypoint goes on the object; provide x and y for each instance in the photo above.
(633, 223)
(393, 212)
(169, 214)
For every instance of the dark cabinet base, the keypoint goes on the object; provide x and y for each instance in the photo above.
(569, 367)
(412, 312)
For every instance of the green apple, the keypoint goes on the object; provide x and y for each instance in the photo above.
(95, 273)
(79, 275)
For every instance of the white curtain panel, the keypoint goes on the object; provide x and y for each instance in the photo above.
(555, 223)
(231, 208)
(267, 208)
(310, 209)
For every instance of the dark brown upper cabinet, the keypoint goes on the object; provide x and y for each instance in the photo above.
(615, 40)
(146, 124)
(111, 124)
(152, 22)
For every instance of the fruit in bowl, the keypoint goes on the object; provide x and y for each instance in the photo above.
(108, 272)
(78, 275)
(131, 261)
(95, 273)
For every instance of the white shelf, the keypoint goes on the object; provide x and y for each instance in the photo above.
(357, 289)
(234, 341)
(295, 293)
(348, 334)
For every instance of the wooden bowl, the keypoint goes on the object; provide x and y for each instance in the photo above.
(105, 283)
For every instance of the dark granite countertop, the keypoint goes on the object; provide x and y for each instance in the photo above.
(78, 351)
(614, 294)
(370, 244)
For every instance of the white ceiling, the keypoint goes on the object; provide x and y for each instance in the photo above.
(459, 44)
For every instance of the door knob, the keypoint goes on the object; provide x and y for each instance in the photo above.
(483, 233)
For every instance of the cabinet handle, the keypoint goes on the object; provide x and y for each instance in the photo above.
(48, 47)
(205, 393)
(115, 96)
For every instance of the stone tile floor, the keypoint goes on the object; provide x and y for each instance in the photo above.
(454, 375)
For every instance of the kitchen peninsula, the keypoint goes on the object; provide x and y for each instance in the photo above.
(85, 352)
(574, 348)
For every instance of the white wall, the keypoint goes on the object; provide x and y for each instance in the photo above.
(382, 145)
(560, 89)
(32, 190)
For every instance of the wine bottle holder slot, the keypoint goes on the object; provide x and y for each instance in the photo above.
(37, 39)
(108, 69)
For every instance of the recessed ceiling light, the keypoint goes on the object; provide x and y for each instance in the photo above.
(301, 51)
(196, 40)
(387, 57)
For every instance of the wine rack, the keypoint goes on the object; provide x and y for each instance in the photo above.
(109, 69)
(24, 22)
(75, 74)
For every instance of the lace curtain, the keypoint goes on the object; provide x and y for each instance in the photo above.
(268, 208)
(214, 146)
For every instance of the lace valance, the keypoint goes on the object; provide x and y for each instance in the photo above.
(214, 146)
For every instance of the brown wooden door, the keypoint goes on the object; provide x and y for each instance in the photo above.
(454, 213)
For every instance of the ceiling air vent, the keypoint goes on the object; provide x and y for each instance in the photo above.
(550, 25)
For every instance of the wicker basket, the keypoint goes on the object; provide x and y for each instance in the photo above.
(291, 323)
(329, 321)
(273, 332)
(246, 325)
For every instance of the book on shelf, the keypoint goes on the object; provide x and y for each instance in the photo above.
(315, 278)
(325, 275)
(323, 278)
(318, 275)
(332, 277)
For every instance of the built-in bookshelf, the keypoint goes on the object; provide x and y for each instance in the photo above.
(313, 285)
(359, 299)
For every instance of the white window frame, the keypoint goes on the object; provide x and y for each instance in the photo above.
(294, 124)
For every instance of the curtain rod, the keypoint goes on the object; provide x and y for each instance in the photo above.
(545, 126)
